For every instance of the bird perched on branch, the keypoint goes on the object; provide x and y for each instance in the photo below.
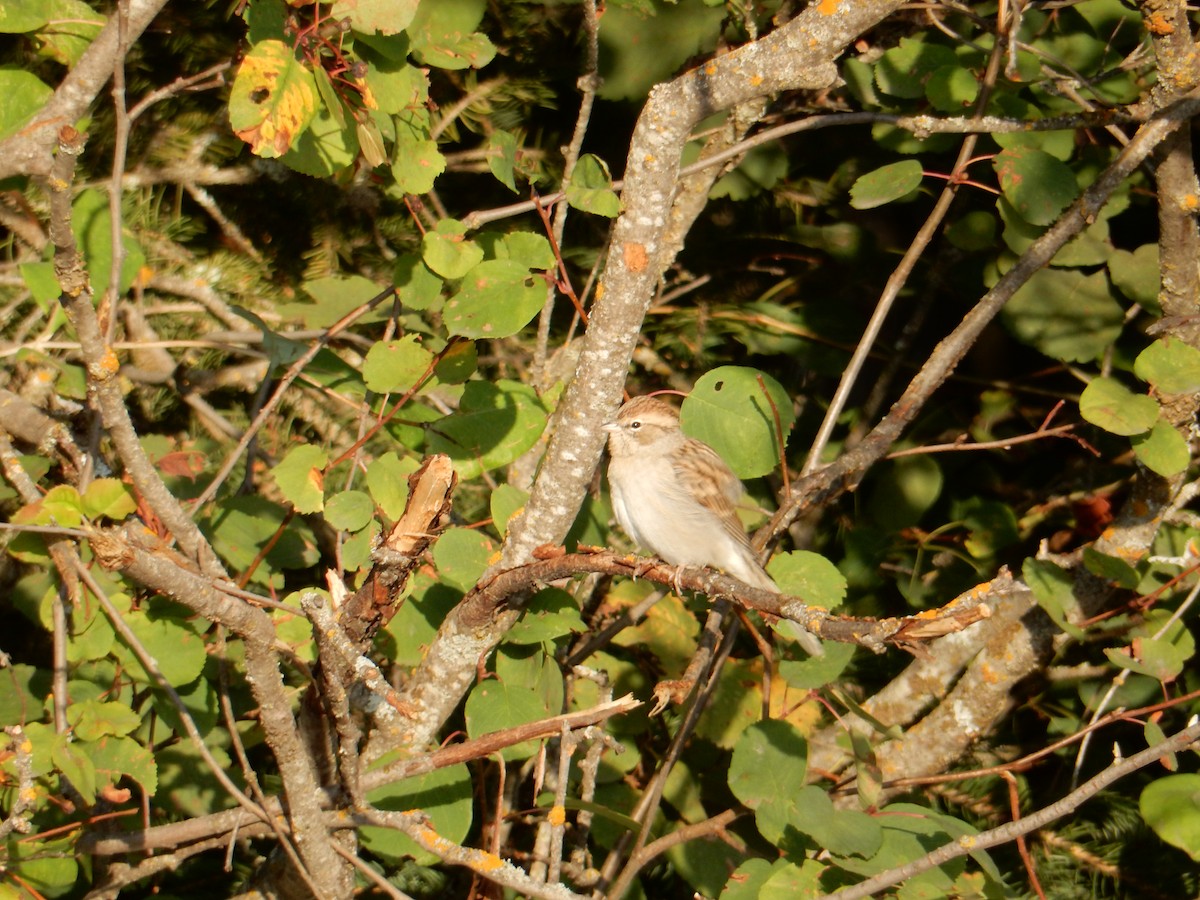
(675, 496)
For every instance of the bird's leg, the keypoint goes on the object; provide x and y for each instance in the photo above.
(675, 580)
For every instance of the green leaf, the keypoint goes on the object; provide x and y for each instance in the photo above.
(21, 16)
(416, 285)
(1136, 275)
(397, 86)
(527, 248)
(497, 299)
(909, 832)
(356, 549)
(760, 170)
(241, 527)
(506, 501)
(903, 71)
(265, 21)
(118, 757)
(300, 477)
(843, 832)
(376, 16)
(647, 43)
(908, 487)
(1091, 247)
(1107, 403)
(447, 251)
(809, 576)
(992, 526)
(886, 184)
(92, 635)
(370, 141)
(952, 89)
(387, 480)
(48, 867)
(349, 510)
(333, 297)
(396, 366)
(728, 410)
(974, 231)
(22, 690)
(443, 34)
(1110, 568)
(324, 148)
(817, 671)
(416, 164)
(24, 94)
(494, 424)
(293, 628)
(1059, 144)
(1170, 804)
(1038, 186)
(92, 719)
(461, 556)
(71, 26)
(444, 795)
(91, 222)
(1162, 449)
(502, 157)
(1052, 588)
(551, 614)
(333, 104)
(273, 99)
(1157, 658)
(108, 498)
(173, 643)
(767, 773)
(1065, 314)
(1170, 366)
(63, 506)
(590, 188)
(668, 633)
(42, 283)
(457, 363)
(789, 881)
(496, 705)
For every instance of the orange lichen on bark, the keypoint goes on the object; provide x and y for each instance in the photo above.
(1159, 24)
(489, 861)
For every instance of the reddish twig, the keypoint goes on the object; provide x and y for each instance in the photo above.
(563, 280)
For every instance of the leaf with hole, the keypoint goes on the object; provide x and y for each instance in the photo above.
(734, 414)
(273, 99)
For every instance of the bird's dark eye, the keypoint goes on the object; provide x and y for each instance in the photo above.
(635, 425)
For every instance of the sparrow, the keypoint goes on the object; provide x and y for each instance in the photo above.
(674, 496)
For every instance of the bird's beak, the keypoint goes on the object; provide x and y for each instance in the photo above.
(610, 427)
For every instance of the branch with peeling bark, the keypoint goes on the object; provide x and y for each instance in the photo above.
(487, 599)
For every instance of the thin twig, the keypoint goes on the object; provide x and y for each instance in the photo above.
(285, 382)
(994, 837)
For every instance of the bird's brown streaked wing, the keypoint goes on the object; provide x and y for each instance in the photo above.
(718, 495)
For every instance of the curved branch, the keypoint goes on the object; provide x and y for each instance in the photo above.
(487, 599)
